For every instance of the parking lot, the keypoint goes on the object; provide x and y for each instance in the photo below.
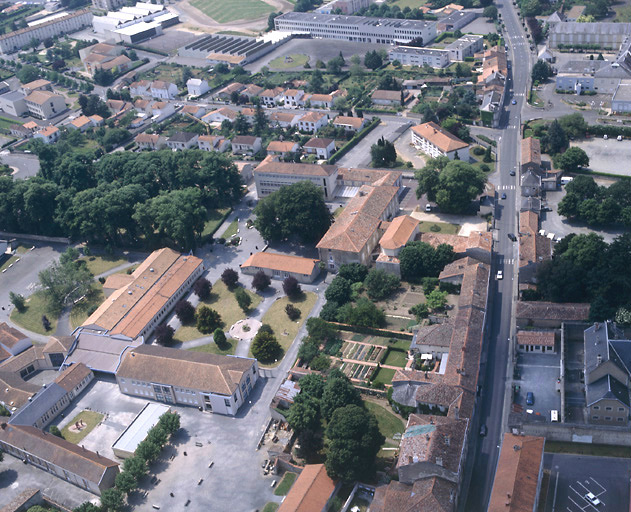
(573, 476)
(538, 374)
(606, 155)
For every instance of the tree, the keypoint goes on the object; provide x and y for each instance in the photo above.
(304, 414)
(363, 314)
(383, 153)
(487, 155)
(202, 288)
(28, 73)
(291, 287)
(316, 82)
(270, 20)
(230, 277)
(265, 348)
(556, 139)
(373, 60)
(65, 281)
(541, 71)
(338, 392)
(574, 158)
(112, 499)
(455, 186)
(207, 320)
(380, 284)
(292, 312)
(18, 301)
(260, 120)
(148, 450)
(420, 311)
(126, 483)
(93, 105)
(353, 272)
(164, 335)
(54, 430)
(87, 507)
(437, 300)
(219, 337)
(261, 281)
(419, 260)
(490, 12)
(574, 125)
(307, 351)
(320, 363)
(354, 440)
(339, 290)
(185, 311)
(170, 422)
(295, 210)
(312, 385)
(243, 299)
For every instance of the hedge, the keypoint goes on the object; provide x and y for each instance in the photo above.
(354, 141)
(610, 131)
(372, 330)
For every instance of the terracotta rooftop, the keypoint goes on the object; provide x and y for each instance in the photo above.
(14, 391)
(161, 85)
(248, 140)
(143, 138)
(224, 111)
(399, 232)
(456, 268)
(353, 122)
(23, 359)
(541, 338)
(312, 117)
(317, 142)
(427, 495)
(81, 121)
(281, 262)
(278, 146)
(272, 93)
(183, 368)
(230, 88)
(529, 221)
(516, 481)
(380, 94)
(47, 131)
(10, 336)
(530, 151)
(311, 491)
(323, 98)
(293, 92)
(296, 169)
(439, 137)
(375, 177)
(438, 394)
(283, 117)
(534, 248)
(58, 344)
(539, 310)
(460, 244)
(71, 377)
(36, 84)
(40, 97)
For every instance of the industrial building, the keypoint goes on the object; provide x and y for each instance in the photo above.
(135, 24)
(229, 49)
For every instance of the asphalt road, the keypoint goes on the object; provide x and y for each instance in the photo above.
(502, 293)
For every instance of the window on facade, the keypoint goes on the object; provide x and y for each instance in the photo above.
(596, 407)
(621, 419)
(226, 401)
(595, 417)
(607, 418)
(620, 409)
(608, 408)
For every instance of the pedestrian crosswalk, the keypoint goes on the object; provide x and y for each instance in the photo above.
(506, 187)
(507, 261)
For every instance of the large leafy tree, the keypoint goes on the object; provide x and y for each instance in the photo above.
(66, 281)
(420, 259)
(339, 290)
(296, 210)
(380, 284)
(453, 187)
(338, 392)
(265, 347)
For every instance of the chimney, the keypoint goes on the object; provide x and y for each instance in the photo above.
(439, 461)
(599, 358)
(446, 440)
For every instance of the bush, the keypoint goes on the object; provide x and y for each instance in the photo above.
(420, 311)
(164, 335)
(320, 363)
(291, 287)
(243, 299)
(292, 312)
(353, 272)
(478, 150)
(18, 301)
(202, 288)
(339, 290)
(207, 320)
(54, 430)
(329, 311)
(230, 277)
(220, 338)
(185, 311)
(261, 281)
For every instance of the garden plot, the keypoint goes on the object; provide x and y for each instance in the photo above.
(363, 352)
(357, 372)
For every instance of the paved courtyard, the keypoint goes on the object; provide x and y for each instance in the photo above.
(538, 374)
(606, 155)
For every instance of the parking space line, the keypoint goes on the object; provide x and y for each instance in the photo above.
(603, 489)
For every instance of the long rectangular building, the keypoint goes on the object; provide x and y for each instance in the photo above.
(413, 56)
(361, 29)
(271, 176)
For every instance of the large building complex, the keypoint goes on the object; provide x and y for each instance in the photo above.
(271, 176)
(135, 24)
(606, 35)
(214, 383)
(66, 24)
(356, 28)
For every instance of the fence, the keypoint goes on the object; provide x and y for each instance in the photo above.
(37, 238)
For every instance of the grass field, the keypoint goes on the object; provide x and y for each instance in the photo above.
(285, 484)
(90, 418)
(31, 317)
(214, 219)
(294, 60)
(445, 228)
(271, 507)
(223, 301)
(231, 230)
(623, 13)
(338, 211)
(396, 358)
(284, 329)
(99, 264)
(5, 123)
(10, 261)
(384, 376)
(223, 12)
(81, 311)
(389, 424)
(412, 4)
(598, 450)
(212, 348)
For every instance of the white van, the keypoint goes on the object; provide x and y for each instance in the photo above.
(554, 416)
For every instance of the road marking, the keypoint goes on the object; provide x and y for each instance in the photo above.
(603, 489)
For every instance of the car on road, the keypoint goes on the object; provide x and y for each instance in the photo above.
(504, 195)
(483, 431)
(530, 398)
(500, 275)
(428, 207)
(512, 237)
(512, 173)
(514, 102)
(592, 499)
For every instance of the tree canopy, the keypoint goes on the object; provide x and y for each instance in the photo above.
(420, 259)
(65, 281)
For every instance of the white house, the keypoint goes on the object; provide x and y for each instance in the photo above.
(163, 90)
(47, 135)
(292, 98)
(197, 86)
(220, 115)
(246, 145)
(311, 122)
(213, 143)
(150, 141)
(271, 97)
(182, 140)
(140, 88)
(322, 148)
(161, 110)
(434, 141)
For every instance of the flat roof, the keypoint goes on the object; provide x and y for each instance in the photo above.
(138, 429)
(138, 28)
(100, 352)
(623, 92)
(335, 19)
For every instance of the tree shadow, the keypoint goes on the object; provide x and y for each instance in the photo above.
(8, 477)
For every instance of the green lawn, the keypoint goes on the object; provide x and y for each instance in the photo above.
(5, 122)
(82, 310)
(384, 376)
(623, 13)
(100, 264)
(445, 228)
(396, 358)
(285, 484)
(214, 219)
(231, 230)
(223, 12)
(223, 301)
(535, 100)
(21, 249)
(284, 329)
(402, 4)
(289, 61)
(389, 423)
(271, 507)
(31, 318)
(90, 418)
(597, 450)
(212, 348)
(338, 211)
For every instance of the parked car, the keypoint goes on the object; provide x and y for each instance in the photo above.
(512, 173)
(503, 195)
(512, 237)
(530, 398)
(483, 431)
(500, 275)
(514, 102)
(428, 207)
(592, 499)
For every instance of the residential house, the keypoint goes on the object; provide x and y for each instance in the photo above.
(20, 131)
(13, 341)
(292, 98)
(251, 91)
(140, 88)
(13, 103)
(36, 85)
(197, 86)
(312, 491)
(607, 371)
(143, 106)
(182, 140)
(282, 148)
(543, 342)
(389, 98)
(530, 184)
(281, 266)
(249, 114)
(45, 104)
(321, 100)
(415, 56)
(549, 314)
(350, 124)
(163, 90)
(75, 464)
(226, 92)
(246, 170)
(48, 134)
(401, 230)
(530, 155)
(425, 495)
(118, 108)
(534, 248)
(220, 115)
(216, 383)
(435, 141)
(246, 145)
(283, 119)
(213, 143)
(100, 56)
(160, 110)
(196, 111)
(312, 121)
(322, 148)
(82, 123)
(272, 97)
(477, 244)
(270, 176)
(150, 141)
(518, 475)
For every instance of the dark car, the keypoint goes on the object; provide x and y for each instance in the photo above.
(514, 102)
(512, 173)
(483, 431)
(504, 195)
(530, 398)
(512, 237)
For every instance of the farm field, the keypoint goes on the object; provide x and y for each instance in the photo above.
(224, 12)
